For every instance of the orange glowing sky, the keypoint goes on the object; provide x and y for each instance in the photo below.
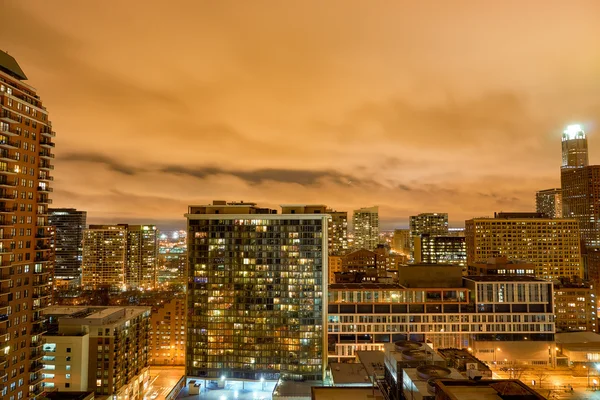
(429, 106)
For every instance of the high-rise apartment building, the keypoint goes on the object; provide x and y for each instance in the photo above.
(120, 257)
(104, 257)
(366, 228)
(549, 202)
(434, 224)
(401, 241)
(167, 333)
(575, 307)
(256, 295)
(574, 147)
(440, 250)
(552, 245)
(100, 349)
(69, 225)
(338, 232)
(581, 200)
(25, 252)
(142, 257)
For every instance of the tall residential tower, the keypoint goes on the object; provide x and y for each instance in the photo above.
(69, 225)
(366, 228)
(25, 252)
(549, 202)
(257, 292)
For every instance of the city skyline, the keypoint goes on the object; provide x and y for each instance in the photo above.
(345, 105)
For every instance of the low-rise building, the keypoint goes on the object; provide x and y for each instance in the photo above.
(104, 349)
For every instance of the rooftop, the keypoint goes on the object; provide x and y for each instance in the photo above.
(69, 395)
(503, 278)
(9, 65)
(373, 361)
(346, 393)
(486, 390)
(349, 374)
(295, 389)
(577, 338)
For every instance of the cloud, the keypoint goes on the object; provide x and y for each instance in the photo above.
(96, 158)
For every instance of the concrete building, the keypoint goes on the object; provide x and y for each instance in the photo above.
(575, 307)
(26, 260)
(433, 224)
(104, 257)
(167, 333)
(120, 257)
(552, 245)
(430, 249)
(256, 293)
(366, 228)
(574, 148)
(338, 232)
(501, 266)
(104, 349)
(401, 241)
(549, 202)
(503, 320)
(69, 225)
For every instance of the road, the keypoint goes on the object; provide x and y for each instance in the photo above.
(162, 380)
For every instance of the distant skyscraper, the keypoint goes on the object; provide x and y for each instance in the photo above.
(432, 224)
(69, 226)
(366, 228)
(25, 253)
(120, 257)
(551, 245)
(549, 202)
(574, 147)
(142, 257)
(401, 241)
(338, 232)
(257, 293)
(104, 257)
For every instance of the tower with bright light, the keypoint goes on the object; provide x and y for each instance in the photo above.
(574, 147)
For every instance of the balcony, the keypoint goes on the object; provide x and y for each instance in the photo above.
(7, 236)
(3, 278)
(44, 200)
(36, 355)
(7, 131)
(43, 247)
(36, 366)
(6, 183)
(46, 143)
(7, 116)
(38, 329)
(45, 189)
(46, 166)
(47, 131)
(9, 144)
(5, 222)
(42, 258)
(46, 154)
(7, 210)
(37, 379)
(7, 196)
(6, 156)
(43, 235)
(41, 295)
(45, 177)
(6, 170)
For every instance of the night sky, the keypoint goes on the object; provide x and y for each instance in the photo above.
(440, 106)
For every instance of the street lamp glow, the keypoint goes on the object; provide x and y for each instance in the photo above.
(222, 377)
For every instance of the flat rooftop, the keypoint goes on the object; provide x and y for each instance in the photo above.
(576, 337)
(373, 360)
(295, 389)
(346, 393)
(486, 390)
(349, 374)
(93, 315)
(366, 286)
(503, 278)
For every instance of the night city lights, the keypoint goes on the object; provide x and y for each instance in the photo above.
(299, 200)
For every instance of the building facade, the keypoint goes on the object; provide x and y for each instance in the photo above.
(141, 268)
(501, 319)
(120, 257)
(549, 202)
(256, 292)
(440, 250)
(434, 224)
(552, 245)
(581, 200)
(104, 257)
(116, 341)
(26, 261)
(69, 225)
(401, 241)
(338, 232)
(366, 228)
(574, 148)
(575, 307)
(167, 333)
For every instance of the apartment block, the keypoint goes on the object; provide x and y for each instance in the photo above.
(120, 257)
(167, 333)
(503, 320)
(366, 228)
(256, 292)
(430, 249)
(401, 241)
(549, 202)
(26, 260)
(101, 349)
(575, 307)
(69, 225)
(338, 232)
(552, 245)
